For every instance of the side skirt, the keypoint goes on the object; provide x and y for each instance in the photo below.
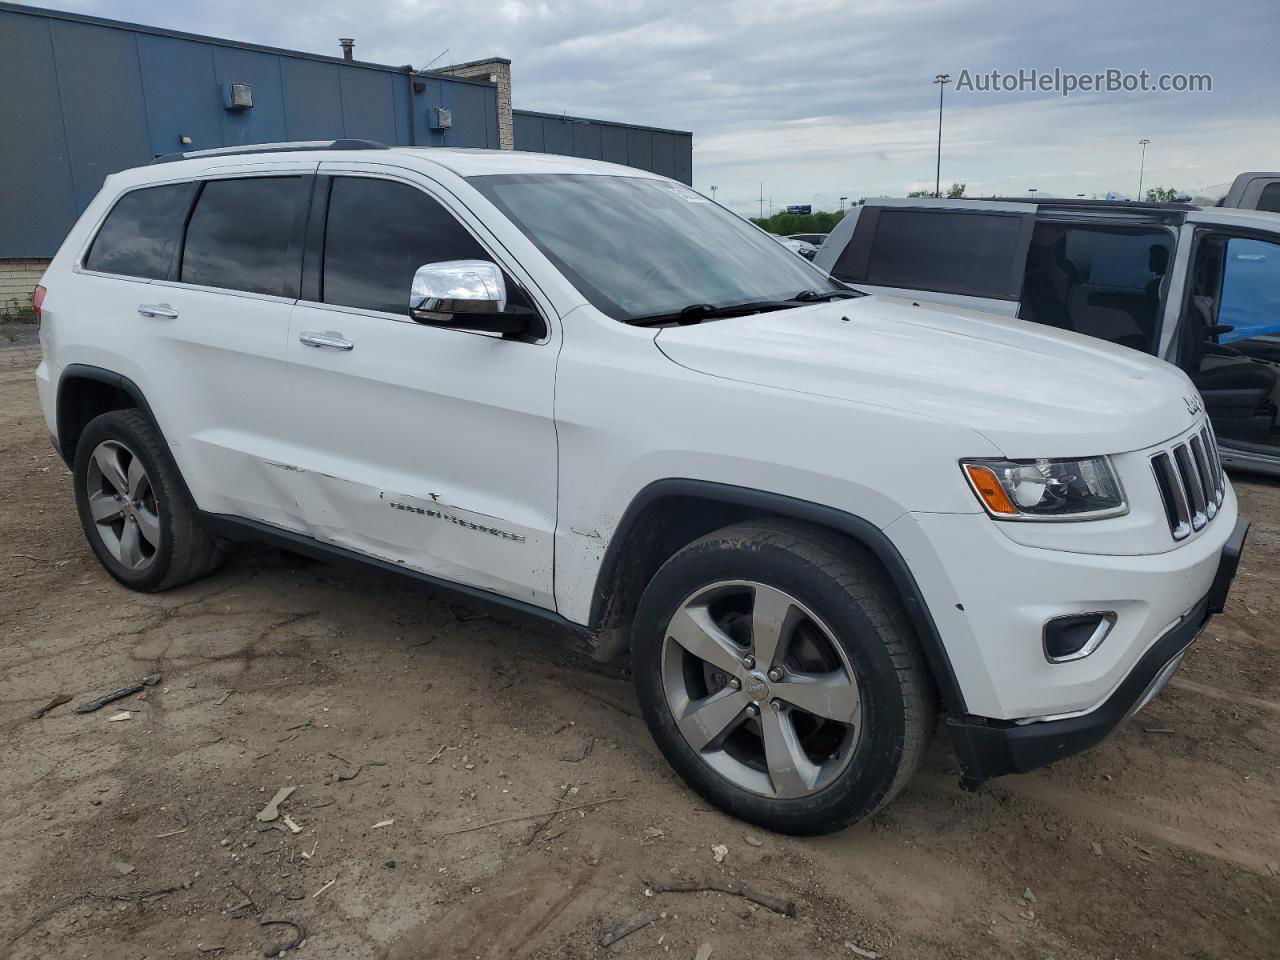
(240, 530)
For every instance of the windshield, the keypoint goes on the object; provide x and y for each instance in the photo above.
(637, 248)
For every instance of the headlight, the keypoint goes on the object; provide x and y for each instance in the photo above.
(1085, 489)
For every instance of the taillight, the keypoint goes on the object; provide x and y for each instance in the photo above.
(37, 300)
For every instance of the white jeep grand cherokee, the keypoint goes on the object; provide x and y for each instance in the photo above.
(814, 519)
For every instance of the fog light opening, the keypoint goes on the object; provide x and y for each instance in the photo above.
(1077, 635)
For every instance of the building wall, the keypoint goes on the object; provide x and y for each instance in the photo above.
(17, 279)
(82, 97)
(498, 70)
(668, 152)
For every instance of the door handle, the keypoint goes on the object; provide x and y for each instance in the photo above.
(158, 310)
(327, 339)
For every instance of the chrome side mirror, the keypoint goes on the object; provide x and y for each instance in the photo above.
(448, 293)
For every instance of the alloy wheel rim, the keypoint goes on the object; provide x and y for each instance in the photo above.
(760, 689)
(123, 505)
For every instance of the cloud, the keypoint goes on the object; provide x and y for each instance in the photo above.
(821, 99)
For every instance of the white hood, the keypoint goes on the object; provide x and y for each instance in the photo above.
(1032, 390)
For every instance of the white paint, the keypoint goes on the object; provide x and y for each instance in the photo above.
(551, 441)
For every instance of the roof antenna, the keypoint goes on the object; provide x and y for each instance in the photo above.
(436, 57)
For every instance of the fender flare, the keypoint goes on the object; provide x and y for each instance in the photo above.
(855, 527)
(84, 371)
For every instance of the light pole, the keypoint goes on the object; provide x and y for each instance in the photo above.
(1142, 165)
(713, 193)
(941, 80)
(1032, 191)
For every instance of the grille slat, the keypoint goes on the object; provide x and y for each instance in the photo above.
(1191, 482)
(1207, 478)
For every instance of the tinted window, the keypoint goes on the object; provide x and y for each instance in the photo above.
(377, 235)
(239, 236)
(141, 232)
(1105, 282)
(965, 253)
(1270, 198)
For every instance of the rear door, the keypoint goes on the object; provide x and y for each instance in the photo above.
(197, 280)
(965, 253)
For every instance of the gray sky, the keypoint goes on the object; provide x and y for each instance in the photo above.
(827, 99)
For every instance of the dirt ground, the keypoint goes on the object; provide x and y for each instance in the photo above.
(382, 705)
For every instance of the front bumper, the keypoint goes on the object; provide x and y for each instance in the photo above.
(991, 748)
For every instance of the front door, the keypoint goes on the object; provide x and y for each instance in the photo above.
(1228, 338)
(430, 448)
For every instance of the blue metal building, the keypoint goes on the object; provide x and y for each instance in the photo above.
(668, 152)
(82, 97)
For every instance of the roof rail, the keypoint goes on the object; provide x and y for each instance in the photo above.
(285, 147)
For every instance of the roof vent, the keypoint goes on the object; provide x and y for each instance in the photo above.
(348, 46)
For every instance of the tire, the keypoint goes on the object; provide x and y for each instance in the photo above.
(167, 546)
(810, 760)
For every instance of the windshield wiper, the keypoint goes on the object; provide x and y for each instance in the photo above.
(697, 312)
(821, 296)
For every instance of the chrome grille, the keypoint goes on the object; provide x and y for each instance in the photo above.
(1191, 482)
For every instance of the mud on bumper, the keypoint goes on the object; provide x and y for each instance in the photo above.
(992, 748)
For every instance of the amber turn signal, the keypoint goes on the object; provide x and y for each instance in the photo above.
(988, 487)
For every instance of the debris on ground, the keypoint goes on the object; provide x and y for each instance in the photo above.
(532, 816)
(704, 952)
(225, 697)
(1028, 896)
(171, 833)
(120, 694)
(122, 868)
(719, 851)
(753, 841)
(653, 833)
(299, 935)
(272, 810)
(638, 922)
(867, 954)
(777, 904)
(324, 888)
(383, 823)
(117, 717)
(57, 701)
(1097, 848)
(293, 827)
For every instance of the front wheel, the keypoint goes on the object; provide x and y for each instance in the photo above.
(778, 675)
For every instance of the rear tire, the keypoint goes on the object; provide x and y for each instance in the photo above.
(134, 508)
(758, 739)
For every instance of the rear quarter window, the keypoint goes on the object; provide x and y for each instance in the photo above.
(140, 236)
(963, 253)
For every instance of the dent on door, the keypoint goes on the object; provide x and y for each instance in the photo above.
(427, 534)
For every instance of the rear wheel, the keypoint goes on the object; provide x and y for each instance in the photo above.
(134, 509)
(777, 674)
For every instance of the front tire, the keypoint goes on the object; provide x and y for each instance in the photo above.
(135, 511)
(778, 674)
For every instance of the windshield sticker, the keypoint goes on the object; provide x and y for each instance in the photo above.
(684, 193)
